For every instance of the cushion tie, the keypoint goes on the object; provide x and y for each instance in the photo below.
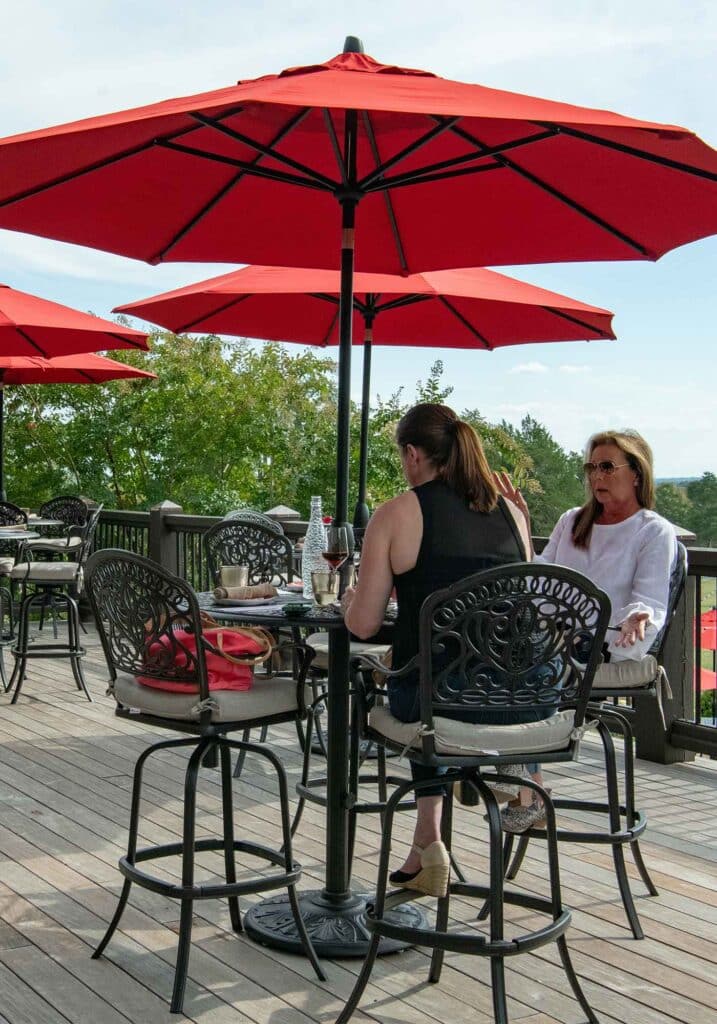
(208, 704)
(420, 732)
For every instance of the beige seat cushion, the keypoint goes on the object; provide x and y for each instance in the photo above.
(628, 674)
(464, 738)
(320, 643)
(46, 572)
(268, 696)
(55, 544)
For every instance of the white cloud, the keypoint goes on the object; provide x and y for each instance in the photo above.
(529, 368)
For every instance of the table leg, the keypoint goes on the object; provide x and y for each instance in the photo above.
(335, 917)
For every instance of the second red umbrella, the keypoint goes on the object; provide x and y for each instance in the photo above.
(465, 309)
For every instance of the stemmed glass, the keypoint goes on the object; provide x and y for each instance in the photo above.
(326, 585)
(336, 546)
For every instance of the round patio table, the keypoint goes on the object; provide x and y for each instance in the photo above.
(18, 535)
(335, 915)
(42, 522)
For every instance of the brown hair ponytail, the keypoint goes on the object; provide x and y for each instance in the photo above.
(454, 448)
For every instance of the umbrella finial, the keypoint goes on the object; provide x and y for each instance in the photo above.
(353, 45)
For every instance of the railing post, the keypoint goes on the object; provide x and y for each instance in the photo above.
(162, 543)
(651, 737)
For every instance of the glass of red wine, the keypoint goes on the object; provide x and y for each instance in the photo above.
(336, 546)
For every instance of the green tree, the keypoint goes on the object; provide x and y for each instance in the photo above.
(672, 502)
(702, 519)
(554, 481)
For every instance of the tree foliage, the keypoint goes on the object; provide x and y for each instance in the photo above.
(229, 425)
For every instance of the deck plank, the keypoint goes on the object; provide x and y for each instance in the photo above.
(66, 766)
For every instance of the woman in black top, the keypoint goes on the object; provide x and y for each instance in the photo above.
(452, 523)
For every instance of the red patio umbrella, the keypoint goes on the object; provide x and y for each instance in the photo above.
(84, 368)
(31, 326)
(466, 309)
(443, 173)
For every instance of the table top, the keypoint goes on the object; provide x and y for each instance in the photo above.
(36, 521)
(270, 614)
(18, 535)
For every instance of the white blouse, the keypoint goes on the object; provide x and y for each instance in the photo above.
(631, 561)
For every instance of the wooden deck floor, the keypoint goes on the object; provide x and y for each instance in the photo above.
(65, 774)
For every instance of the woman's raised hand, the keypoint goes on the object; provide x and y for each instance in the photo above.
(632, 629)
(511, 493)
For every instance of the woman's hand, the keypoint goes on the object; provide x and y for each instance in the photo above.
(511, 493)
(632, 629)
(347, 598)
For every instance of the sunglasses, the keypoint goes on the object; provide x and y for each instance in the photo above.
(607, 467)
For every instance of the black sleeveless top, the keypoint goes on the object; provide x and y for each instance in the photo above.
(456, 542)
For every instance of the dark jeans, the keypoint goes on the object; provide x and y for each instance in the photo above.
(404, 702)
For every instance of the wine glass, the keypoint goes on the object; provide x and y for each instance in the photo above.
(336, 546)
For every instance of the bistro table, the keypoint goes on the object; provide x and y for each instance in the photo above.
(335, 915)
(16, 535)
(43, 523)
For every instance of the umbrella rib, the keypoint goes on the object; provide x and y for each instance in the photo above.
(387, 198)
(404, 300)
(466, 323)
(212, 312)
(418, 179)
(125, 341)
(95, 166)
(264, 150)
(422, 173)
(29, 340)
(443, 126)
(332, 324)
(248, 168)
(217, 198)
(578, 322)
(621, 147)
(333, 139)
(557, 194)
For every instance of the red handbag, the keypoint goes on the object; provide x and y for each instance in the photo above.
(231, 654)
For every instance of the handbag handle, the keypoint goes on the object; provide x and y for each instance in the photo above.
(255, 633)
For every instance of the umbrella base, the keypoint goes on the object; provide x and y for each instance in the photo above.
(336, 929)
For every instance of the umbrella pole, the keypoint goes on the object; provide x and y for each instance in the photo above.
(361, 512)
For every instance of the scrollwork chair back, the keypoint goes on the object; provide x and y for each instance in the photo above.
(12, 515)
(143, 614)
(268, 554)
(519, 636)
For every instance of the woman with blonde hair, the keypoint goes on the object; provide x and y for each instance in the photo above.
(617, 541)
(451, 523)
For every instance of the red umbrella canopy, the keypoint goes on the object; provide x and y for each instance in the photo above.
(504, 178)
(471, 308)
(85, 368)
(31, 326)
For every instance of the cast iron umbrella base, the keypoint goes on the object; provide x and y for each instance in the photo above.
(337, 928)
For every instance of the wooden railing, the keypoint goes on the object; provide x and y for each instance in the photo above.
(174, 540)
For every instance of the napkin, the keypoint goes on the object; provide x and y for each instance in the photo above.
(245, 593)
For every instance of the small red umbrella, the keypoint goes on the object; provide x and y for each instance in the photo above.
(31, 326)
(84, 368)
(466, 309)
(708, 630)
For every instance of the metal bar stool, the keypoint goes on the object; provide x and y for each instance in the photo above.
(144, 615)
(626, 823)
(56, 584)
(513, 637)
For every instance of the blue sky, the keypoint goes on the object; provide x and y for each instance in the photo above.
(654, 60)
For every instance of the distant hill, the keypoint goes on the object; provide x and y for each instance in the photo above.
(680, 481)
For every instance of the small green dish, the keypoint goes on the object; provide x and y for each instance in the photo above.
(296, 609)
